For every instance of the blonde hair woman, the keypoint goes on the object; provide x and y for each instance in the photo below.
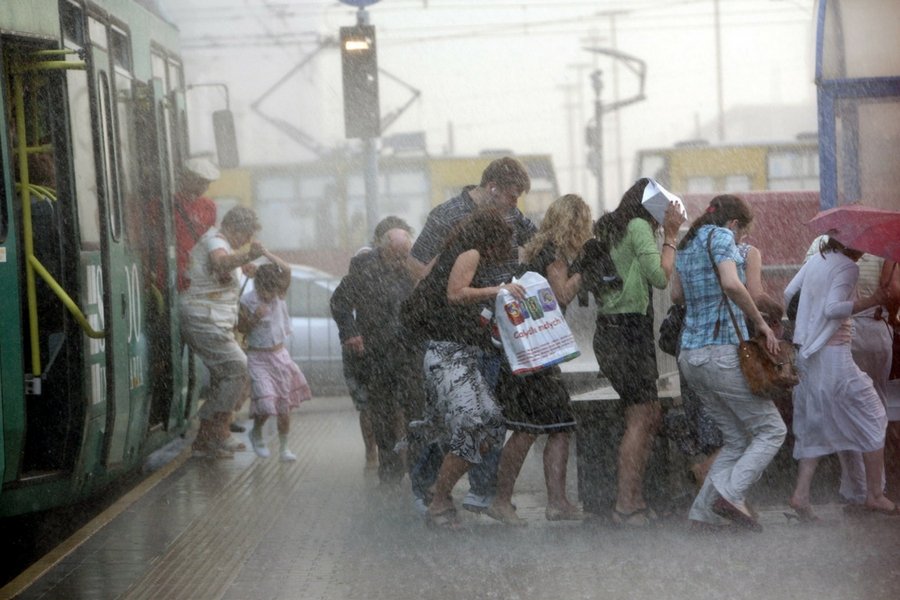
(539, 404)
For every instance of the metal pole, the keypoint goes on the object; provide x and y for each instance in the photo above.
(718, 28)
(371, 180)
(598, 136)
(370, 175)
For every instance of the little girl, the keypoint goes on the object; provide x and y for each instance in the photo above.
(277, 384)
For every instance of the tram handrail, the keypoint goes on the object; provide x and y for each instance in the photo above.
(65, 298)
(32, 265)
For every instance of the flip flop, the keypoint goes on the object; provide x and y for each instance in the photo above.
(636, 518)
(894, 512)
(447, 519)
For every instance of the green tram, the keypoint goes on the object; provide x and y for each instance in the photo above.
(92, 373)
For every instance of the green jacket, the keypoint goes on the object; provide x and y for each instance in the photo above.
(637, 260)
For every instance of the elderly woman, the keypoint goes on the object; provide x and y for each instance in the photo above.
(539, 404)
(462, 414)
(209, 312)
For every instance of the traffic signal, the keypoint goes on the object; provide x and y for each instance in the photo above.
(359, 63)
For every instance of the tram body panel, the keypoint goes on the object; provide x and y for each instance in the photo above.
(93, 374)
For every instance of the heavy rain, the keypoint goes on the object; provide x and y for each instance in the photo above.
(450, 298)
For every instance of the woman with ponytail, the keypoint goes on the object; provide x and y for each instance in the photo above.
(710, 272)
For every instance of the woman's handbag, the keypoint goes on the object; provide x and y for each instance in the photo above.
(533, 330)
(670, 329)
(767, 375)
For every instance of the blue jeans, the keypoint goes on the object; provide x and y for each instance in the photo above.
(482, 476)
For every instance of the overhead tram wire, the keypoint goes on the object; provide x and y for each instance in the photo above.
(534, 28)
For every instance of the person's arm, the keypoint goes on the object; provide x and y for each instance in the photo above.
(794, 285)
(459, 284)
(223, 263)
(417, 269)
(277, 260)
(565, 288)
(676, 292)
(734, 289)
(655, 265)
(342, 307)
(753, 272)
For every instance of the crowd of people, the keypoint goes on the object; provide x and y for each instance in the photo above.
(467, 413)
(438, 400)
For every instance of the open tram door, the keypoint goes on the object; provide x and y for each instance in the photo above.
(44, 413)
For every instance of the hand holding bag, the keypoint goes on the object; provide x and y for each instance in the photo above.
(533, 330)
(767, 375)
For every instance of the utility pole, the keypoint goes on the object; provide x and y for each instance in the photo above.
(719, 94)
(580, 119)
(597, 135)
(569, 107)
(360, 65)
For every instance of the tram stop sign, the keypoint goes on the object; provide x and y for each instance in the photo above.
(359, 3)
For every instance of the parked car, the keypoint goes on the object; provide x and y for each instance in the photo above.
(314, 345)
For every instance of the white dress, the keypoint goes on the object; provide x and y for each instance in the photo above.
(836, 407)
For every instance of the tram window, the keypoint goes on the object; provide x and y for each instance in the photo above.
(700, 185)
(83, 158)
(737, 183)
(72, 23)
(121, 50)
(108, 157)
(97, 33)
(158, 69)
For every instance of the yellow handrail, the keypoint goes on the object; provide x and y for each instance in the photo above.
(31, 263)
(65, 298)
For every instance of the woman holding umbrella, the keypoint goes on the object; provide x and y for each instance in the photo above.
(836, 407)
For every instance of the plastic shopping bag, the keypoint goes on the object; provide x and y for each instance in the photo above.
(534, 331)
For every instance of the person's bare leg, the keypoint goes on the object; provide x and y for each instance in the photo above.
(368, 436)
(556, 458)
(451, 470)
(806, 470)
(511, 460)
(875, 498)
(641, 423)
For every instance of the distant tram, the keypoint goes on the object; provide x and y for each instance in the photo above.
(92, 373)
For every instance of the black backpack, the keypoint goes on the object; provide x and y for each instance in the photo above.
(598, 271)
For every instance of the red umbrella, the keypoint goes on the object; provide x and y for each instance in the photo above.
(872, 230)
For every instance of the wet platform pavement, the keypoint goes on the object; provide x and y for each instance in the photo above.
(322, 528)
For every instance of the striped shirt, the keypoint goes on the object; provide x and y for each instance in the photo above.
(444, 217)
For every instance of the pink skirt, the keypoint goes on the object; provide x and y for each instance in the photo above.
(276, 383)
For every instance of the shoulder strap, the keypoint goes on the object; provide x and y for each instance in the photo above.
(719, 279)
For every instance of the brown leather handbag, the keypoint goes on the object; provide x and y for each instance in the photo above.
(767, 374)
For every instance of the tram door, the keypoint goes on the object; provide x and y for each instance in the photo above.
(125, 412)
(52, 414)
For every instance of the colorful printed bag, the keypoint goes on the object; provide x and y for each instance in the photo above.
(534, 331)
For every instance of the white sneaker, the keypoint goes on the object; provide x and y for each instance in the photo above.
(288, 456)
(477, 503)
(420, 506)
(259, 446)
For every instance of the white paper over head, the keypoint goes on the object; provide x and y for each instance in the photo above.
(656, 200)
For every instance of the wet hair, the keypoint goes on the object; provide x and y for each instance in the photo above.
(385, 225)
(721, 210)
(241, 219)
(507, 173)
(272, 279)
(484, 230)
(566, 224)
(610, 228)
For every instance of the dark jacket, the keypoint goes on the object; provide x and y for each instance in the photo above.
(367, 301)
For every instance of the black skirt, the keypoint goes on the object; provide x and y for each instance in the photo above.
(537, 403)
(626, 353)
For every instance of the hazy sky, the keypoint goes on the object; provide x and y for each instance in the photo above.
(507, 73)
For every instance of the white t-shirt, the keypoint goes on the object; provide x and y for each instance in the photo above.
(205, 285)
(274, 327)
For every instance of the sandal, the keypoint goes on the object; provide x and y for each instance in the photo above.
(893, 512)
(446, 519)
(570, 513)
(637, 518)
(803, 514)
(506, 515)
